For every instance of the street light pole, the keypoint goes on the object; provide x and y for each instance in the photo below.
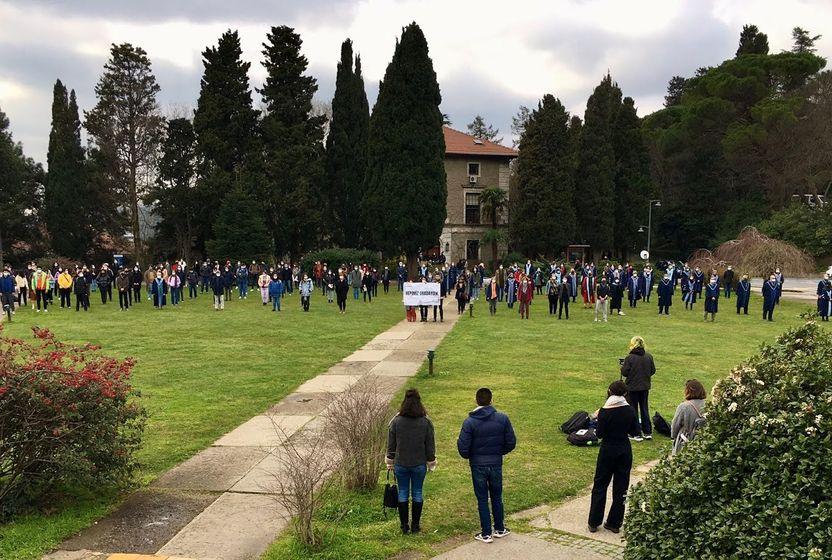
(657, 203)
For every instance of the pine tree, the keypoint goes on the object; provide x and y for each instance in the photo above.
(225, 125)
(240, 231)
(292, 145)
(595, 204)
(632, 177)
(174, 198)
(406, 191)
(576, 126)
(675, 89)
(804, 42)
(543, 213)
(66, 200)
(752, 41)
(346, 150)
(518, 124)
(125, 127)
(478, 128)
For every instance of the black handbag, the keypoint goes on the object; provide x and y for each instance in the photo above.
(391, 495)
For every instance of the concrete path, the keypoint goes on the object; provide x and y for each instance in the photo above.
(219, 505)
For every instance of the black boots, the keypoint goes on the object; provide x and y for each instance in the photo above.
(403, 517)
(417, 516)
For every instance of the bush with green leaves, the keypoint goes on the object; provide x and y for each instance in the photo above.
(810, 229)
(755, 482)
(336, 256)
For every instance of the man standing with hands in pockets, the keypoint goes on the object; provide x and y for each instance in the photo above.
(485, 437)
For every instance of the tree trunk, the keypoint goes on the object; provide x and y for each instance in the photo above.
(138, 249)
(412, 266)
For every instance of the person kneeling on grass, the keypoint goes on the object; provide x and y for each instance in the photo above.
(616, 421)
(411, 453)
(485, 437)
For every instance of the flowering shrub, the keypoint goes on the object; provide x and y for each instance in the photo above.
(757, 480)
(67, 418)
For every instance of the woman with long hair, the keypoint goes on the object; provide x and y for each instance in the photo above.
(411, 452)
(688, 416)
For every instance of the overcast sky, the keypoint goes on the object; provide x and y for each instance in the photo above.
(490, 56)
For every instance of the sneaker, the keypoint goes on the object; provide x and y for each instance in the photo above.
(500, 534)
(648, 436)
(593, 528)
(612, 529)
(637, 438)
(483, 538)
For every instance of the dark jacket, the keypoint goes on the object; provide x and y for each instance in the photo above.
(615, 425)
(410, 441)
(218, 285)
(7, 284)
(486, 436)
(638, 368)
(80, 286)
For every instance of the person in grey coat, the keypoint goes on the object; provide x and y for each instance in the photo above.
(688, 416)
(637, 370)
(411, 452)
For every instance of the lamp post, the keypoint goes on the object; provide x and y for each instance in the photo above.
(658, 204)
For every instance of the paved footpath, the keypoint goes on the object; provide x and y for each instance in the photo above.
(220, 504)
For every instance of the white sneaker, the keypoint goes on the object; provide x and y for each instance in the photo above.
(500, 534)
(648, 436)
(637, 438)
(596, 320)
(483, 538)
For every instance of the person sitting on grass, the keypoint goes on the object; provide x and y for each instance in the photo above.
(616, 421)
(688, 415)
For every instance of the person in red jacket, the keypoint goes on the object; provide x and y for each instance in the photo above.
(525, 294)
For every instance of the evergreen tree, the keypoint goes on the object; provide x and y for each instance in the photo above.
(346, 150)
(478, 128)
(804, 43)
(675, 89)
(752, 41)
(595, 206)
(225, 126)
(174, 197)
(632, 177)
(125, 127)
(240, 231)
(406, 191)
(576, 126)
(66, 200)
(292, 146)
(518, 124)
(543, 211)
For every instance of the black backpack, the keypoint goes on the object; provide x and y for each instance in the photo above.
(578, 421)
(583, 438)
(661, 424)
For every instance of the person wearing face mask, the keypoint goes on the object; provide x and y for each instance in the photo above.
(728, 280)
(665, 292)
(65, 287)
(633, 289)
(601, 297)
(564, 293)
(218, 288)
(771, 293)
(743, 292)
(525, 294)
(342, 288)
(825, 298)
(40, 285)
(711, 299)
(81, 288)
(7, 298)
(306, 288)
(778, 275)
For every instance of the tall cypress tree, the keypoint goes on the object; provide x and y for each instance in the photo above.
(632, 177)
(65, 201)
(406, 191)
(346, 149)
(594, 203)
(292, 145)
(752, 41)
(225, 125)
(545, 183)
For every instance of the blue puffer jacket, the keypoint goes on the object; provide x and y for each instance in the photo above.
(275, 288)
(486, 436)
(6, 284)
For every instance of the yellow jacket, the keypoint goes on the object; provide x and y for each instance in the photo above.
(64, 280)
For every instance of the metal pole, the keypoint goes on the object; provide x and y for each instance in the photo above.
(649, 227)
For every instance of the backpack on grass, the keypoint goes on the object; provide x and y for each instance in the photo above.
(583, 438)
(578, 421)
(661, 425)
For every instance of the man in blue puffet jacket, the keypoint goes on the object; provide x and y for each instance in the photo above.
(485, 437)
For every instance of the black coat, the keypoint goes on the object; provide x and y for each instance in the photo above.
(665, 291)
(637, 369)
(342, 287)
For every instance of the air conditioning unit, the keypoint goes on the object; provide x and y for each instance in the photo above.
(472, 179)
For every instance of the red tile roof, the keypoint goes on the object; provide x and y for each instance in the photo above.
(459, 143)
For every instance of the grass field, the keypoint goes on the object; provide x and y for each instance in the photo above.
(200, 372)
(541, 371)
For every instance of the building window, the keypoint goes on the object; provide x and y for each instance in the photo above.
(472, 208)
(472, 250)
(474, 169)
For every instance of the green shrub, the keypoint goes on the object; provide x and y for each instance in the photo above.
(755, 483)
(335, 257)
(810, 229)
(68, 419)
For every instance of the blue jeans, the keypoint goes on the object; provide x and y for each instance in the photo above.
(488, 481)
(355, 292)
(174, 296)
(276, 303)
(243, 288)
(410, 481)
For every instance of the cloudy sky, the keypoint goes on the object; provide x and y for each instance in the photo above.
(490, 56)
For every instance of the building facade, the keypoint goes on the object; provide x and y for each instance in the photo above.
(472, 165)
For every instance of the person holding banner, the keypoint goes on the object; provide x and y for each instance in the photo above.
(423, 309)
(442, 294)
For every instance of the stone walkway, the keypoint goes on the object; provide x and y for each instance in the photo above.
(218, 505)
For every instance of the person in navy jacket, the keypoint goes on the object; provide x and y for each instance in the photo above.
(665, 291)
(711, 299)
(825, 298)
(485, 437)
(771, 294)
(743, 292)
(633, 289)
(646, 283)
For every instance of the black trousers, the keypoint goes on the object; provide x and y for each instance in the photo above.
(305, 302)
(123, 300)
(82, 300)
(40, 296)
(553, 304)
(65, 297)
(441, 311)
(768, 313)
(21, 297)
(103, 292)
(613, 465)
(191, 291)
(368, 293)
(342, 302)
(460, 306)
(386, 287)
(423, 312)
(638, 400)
(564, 305)
(665, 308)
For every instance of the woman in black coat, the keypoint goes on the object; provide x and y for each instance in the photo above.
(616, 422)
(638, 369)
(342, 288)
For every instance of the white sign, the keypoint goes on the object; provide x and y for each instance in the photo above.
(421, 293)
(645, 255)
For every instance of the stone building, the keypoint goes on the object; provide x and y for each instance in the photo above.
(472, 165)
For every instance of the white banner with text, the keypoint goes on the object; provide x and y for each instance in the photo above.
(421, 293)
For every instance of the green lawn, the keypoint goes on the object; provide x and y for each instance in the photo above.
(541, 371)
(201, 373)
